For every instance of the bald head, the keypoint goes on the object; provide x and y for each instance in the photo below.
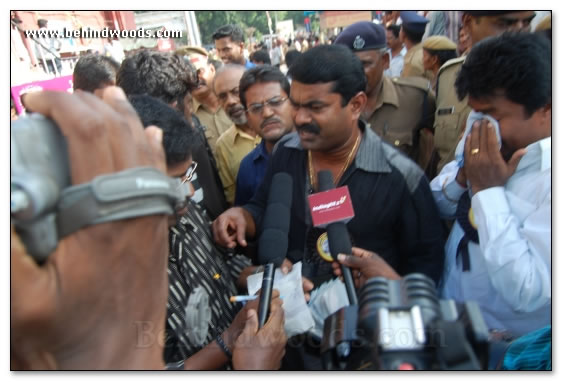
(226, 87)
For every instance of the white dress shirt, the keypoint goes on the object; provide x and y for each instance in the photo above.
(510, 268)
(396, 64)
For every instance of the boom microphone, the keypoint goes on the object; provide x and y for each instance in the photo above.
(273, 241)
(338, 238)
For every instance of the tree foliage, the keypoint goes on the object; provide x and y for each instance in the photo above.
(210, 21)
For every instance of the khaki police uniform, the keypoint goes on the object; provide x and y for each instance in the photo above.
(413, 65)
(404, 108)
(451, 113)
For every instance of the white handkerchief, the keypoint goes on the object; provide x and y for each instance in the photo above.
(473, 117)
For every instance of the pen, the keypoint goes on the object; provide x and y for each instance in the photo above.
(242, 298)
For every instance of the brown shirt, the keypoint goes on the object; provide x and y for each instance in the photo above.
(404, 108)
(215, 123)
(413, 66)
(451, 113)
(232, 146)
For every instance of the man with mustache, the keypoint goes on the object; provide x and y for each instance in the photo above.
(264, 92)
(240, 138)
(395, 214)
(205, 104)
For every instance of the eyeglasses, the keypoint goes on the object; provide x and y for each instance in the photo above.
(258, 108)
(223, 96)
(186, 187)
(190, 173)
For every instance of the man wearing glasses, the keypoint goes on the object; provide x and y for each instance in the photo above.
(240, 139)
(264, 93)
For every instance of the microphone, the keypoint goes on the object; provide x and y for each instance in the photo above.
(273, 241)
(265, 294)
(338, 238)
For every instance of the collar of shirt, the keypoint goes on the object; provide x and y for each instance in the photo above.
(235, 132)
(538, 154)
(370, 156)
(260, 152)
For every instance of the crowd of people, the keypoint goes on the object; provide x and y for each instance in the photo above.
(384, 107)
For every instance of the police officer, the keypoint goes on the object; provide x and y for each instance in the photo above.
(412, 30)
(399, 110)
(436, 51)
(451, 112)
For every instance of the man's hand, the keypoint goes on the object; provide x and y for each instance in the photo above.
(99, 301)
(237, 326)
(261, 349)
(484, 165)
(230, 228)
(364, 265)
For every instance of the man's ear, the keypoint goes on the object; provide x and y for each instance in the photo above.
(357, 104)
(385, 58)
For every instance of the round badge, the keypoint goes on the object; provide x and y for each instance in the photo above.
(323, 248)
(471, 217)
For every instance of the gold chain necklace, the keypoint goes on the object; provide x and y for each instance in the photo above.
(312, 178)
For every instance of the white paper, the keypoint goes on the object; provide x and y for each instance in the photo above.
(298, 318)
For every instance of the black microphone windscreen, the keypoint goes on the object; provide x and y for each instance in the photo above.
(281, 189)
(273, 240)
(272, 246)
(325, 180)
(277, 216)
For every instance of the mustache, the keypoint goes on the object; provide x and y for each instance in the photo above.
(234, 109)
(309, 128)
(270, 120)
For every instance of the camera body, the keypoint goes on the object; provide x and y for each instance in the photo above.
(44, 204)
(402, 325)
(39, 172)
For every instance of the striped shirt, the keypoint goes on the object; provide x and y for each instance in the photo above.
(201, 279)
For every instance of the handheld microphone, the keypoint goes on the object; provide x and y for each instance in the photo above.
(273, 241)
(265, 294)
(338, 238)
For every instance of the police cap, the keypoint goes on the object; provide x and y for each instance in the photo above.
(439, 43)
(363, 35)
(413, 22)
(196, 55)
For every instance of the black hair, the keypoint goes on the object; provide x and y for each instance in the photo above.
(395, 29)
(331, 63)
(42, 23)
(93, 71)
(516, 65)
(442, 55)
(291, 56)
(230, 30)
(178, 136)
(414, 37)
(165, 76)
(261, 56)
(261, 74)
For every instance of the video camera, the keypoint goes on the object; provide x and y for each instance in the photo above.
(402, 325)
(45, 206)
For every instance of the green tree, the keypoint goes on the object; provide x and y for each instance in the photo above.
(210, 21)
